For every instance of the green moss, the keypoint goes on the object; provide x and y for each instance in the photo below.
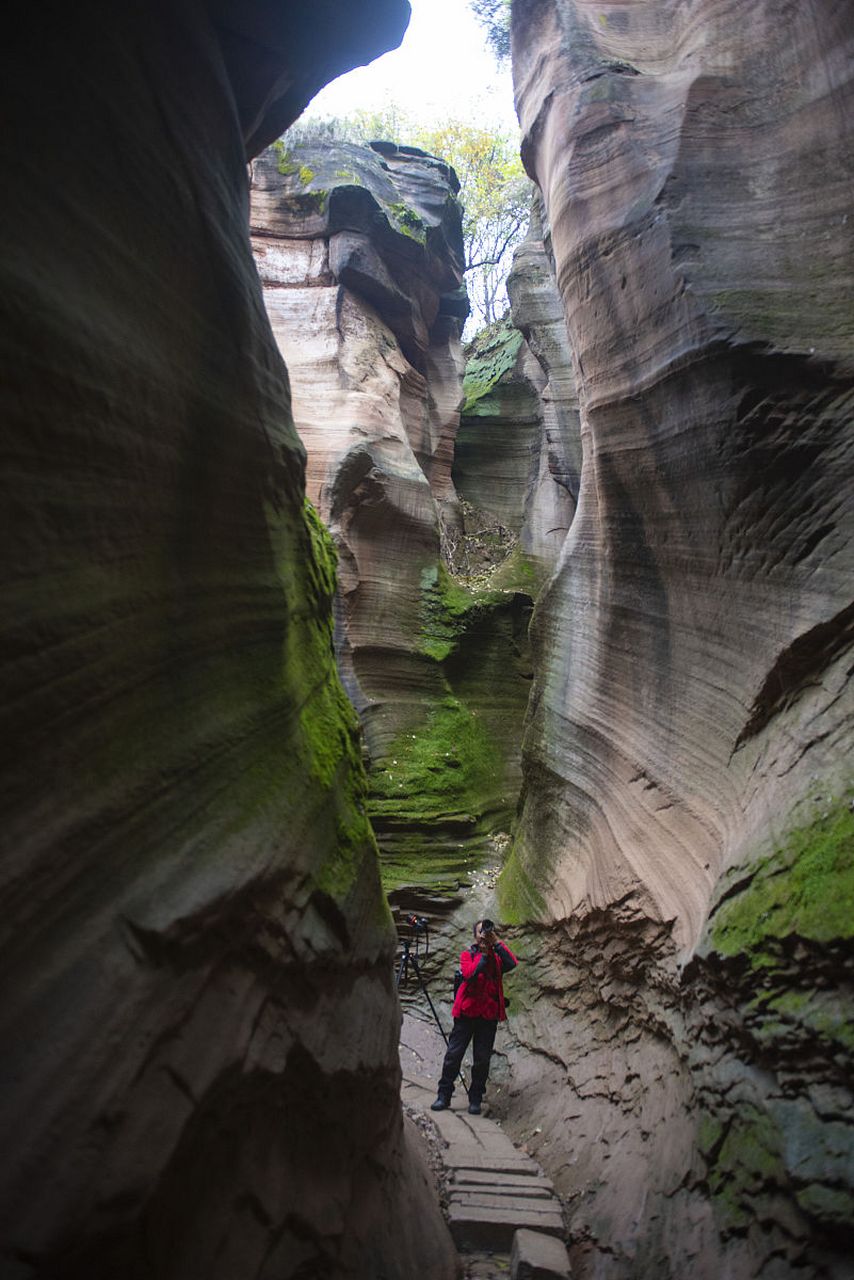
(350, 177)
(448, 609)
(519, 898)
(519, 573)
(440, 865)
(742, 1163)
(826, 1015)
(306, 203)
(710, 1131)
(447, 767)
(408, 221)
(492, 354)
(284, 163)
(804, 888)
(827, 1204)
(328, 726)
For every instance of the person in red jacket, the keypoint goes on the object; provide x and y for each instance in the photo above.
(478, 1009)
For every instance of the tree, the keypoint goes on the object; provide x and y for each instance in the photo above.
(494, 16)
(494, 190)
(496, 199)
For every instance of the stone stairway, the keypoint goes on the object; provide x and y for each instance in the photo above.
(498, 1201)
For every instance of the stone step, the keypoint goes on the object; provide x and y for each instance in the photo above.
(494, 1228)
(484, 1178)
(536, 1256)
(488, 1198)
(472, 1162)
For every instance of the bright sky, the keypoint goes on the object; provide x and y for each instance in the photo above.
(443, 68)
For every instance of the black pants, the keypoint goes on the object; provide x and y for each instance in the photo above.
(482, 1031)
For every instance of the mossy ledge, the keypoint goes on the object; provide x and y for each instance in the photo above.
(448, 609)
(804, 889)
(779, 946)
(784, 934)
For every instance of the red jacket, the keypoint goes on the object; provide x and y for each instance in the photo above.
(481, 994)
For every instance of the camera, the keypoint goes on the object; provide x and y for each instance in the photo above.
(420, 924)
(487, 926)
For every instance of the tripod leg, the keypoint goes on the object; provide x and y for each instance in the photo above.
(423, 986)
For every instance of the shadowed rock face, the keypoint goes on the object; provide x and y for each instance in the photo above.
(199, 1028)
(687, 760)
(360, 254)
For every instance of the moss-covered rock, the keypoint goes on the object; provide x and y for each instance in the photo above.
(449, 608)
(491, 355)
(744, 1158)
(452, 776)
(804, 888)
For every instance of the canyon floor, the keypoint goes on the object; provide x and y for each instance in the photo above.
(488, 1187)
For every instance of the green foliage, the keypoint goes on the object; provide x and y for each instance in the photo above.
(804, 888)
(494, 17)
(349, 176)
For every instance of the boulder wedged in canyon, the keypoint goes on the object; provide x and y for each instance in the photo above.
(200, 1073)
(685, 836)
(360, 253)
(517, 459)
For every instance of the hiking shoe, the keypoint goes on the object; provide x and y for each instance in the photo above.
(441, 1104)
(474, 1108)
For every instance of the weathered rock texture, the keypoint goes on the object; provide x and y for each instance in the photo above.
(687, 762)
(360, 253)
(199, 1028)
(518, 450)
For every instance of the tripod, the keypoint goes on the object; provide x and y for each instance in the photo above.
(409, 960)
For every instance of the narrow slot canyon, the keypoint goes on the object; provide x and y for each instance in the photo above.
(328, 611)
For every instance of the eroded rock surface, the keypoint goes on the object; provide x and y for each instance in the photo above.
(360, 253)
(687, 763)
(199, 1028)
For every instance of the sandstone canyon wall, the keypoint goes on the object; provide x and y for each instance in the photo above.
(199, 1067)
(360, 253)
(685, 838)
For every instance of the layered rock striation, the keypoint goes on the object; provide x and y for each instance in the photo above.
(685, 836)
(199, 1069)
(360, 253)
